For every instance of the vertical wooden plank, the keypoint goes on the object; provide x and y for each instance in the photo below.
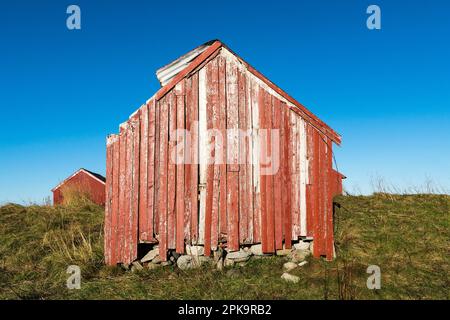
(203, 152)
(135, 191)
(115, 200)
(278, 182)
(192, 109)
(151, 161)
(309, 186)
(157, 169)
(128, 218)
(270, 177)
(329, 214)
(209, 159)
(223, 227)
(318, 232)
(163, 176)
(243, 150)
(108, 202)
(180, 148)
(144, 224)
(249, 158)
(256, 155)
(287, 219)
(263, 155)
(122, 203)
(232, 155)
(295, 179)
(213, 103)
(303, 176)
(171, 171)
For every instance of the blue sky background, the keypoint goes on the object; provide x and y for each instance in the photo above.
(386, 92)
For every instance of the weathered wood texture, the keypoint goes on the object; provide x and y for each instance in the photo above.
(220, 158)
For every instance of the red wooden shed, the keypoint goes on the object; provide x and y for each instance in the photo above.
(219, 156)
(82, 182)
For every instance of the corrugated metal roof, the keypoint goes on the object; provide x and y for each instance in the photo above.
(168, 72)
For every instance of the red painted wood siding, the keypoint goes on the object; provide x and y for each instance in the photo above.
(153, 198)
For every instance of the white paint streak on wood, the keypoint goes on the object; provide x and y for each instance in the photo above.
(303, 177)
(256, 154)
(203, 152)
(295, 176)
(249, 155)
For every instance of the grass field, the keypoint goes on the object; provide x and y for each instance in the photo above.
(407, 236)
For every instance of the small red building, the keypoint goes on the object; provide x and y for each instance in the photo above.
(82, 182)
(219, 156)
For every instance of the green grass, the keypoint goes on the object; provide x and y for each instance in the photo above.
(406, 236)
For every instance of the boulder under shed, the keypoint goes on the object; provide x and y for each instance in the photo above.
(82, 183)
(219, 157)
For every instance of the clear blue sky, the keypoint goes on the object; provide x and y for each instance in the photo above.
(386, 92)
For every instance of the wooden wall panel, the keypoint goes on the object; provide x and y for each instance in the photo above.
(163, 177)
(234, 200)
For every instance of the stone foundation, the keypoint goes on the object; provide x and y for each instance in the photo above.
(220, 258)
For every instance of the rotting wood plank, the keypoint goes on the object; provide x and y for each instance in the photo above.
(115, 201)
(134, 233)
(329, 213)
(128, 218)
(223, 228)
(263, 147)
(157, 170)
(180, 164)
(144, 224)
(213, 86)
(122, 208)
(309, 185)
(171, 172)
(151, 160)
(256, 156)
(303, 177)
(249, 158)
(278, 178)
(163, 177)
(232, 155)
(108, 202)
(192, 109)
(211, 95)
(288, 176)
(243, 150)
(270, 176)
(295, 177)
(203, 152)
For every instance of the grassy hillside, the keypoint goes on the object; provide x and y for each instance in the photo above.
(408, 237)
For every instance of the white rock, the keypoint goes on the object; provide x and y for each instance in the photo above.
(301, 264)
(195, 250)
(290, 278)
(283, 252)
(256, 249)
(299, 255)
(184, 262)
(228, 262)
(219, 264)
(152, 266)
(156, 259)
(301, 245)
(136, 266)
(166, 263)
(288, 266)
(150, 255)
(239, 256)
